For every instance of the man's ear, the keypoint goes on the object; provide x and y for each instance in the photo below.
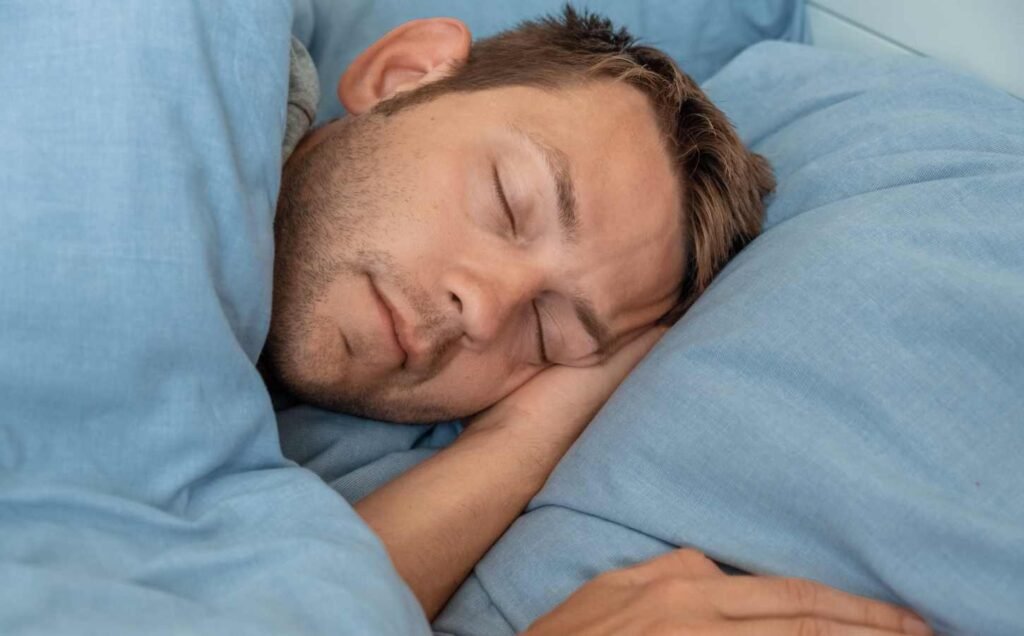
(416, 53)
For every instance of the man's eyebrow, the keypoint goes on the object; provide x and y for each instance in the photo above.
(565, 192)
(594, 326)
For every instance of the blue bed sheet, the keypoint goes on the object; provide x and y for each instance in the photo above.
(142, 485)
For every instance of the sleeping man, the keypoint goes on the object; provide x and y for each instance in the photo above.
(500, 230)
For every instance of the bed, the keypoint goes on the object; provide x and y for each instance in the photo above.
(845, 403)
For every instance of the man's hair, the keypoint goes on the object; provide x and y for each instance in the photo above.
(722, 182)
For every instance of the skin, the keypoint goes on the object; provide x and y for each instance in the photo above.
(417, 220)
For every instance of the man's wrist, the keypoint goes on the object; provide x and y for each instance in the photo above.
(535, 448)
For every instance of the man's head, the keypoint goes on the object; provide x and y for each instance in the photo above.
(540, 197)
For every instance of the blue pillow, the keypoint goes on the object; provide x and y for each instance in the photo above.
(846, 402)
(142, 486)
(702, 35)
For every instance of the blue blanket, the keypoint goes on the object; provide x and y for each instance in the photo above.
(142, 486)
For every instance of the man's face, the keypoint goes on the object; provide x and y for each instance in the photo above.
(469, 242)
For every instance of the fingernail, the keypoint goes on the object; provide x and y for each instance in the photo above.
(916, 626)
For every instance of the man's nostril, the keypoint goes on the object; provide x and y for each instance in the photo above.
(456, 300)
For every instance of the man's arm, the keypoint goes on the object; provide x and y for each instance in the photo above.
(438, 519)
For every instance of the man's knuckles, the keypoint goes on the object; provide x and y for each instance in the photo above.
(799, 594)
(813, 626)
(693, 563)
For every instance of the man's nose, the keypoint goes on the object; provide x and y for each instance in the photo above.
(486, 298)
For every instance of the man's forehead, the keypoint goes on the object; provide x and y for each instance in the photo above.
(613, 143)
(598, 105)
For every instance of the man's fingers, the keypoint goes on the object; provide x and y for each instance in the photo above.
(633, 351)
(750, 597)
(686, 574)
(792, 627)
(646, 341)
(685, 563)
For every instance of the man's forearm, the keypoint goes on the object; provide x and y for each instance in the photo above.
(438, 519)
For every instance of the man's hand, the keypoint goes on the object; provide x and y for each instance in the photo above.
(553, 407)
(683, 592)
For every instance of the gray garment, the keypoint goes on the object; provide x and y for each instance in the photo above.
(303, 98)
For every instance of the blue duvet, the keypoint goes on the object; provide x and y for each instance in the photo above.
(142, 486)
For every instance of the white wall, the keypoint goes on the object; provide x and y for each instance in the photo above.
(983, 37)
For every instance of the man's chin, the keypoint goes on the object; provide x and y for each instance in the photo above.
(362, 405)
(383, 411)
(400, 406)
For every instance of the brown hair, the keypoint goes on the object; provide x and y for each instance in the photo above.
(723, 182)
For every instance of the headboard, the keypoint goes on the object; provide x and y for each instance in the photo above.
(982, 37)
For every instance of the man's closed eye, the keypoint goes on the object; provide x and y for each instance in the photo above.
(500, 191)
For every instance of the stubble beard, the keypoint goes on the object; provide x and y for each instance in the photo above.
(326, 207)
